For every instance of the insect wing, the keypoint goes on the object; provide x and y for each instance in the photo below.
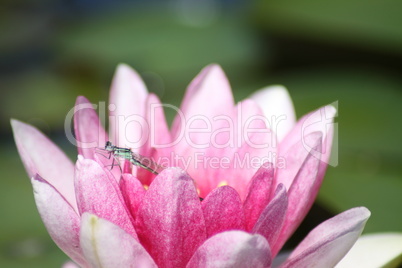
(147, 163)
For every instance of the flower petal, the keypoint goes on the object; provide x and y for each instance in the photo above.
(127, 108)
(328, 243)
(41, 156)
(321, 120)
(159, 130)
(106, 245)
(296, 156)
(223, 211)
(257, 146)
(89, 133)
(170, 223)
(302, 192)
(60, 219)
(278, 109)
(69, 264)
(232, 249)
(133, 192)
(258, 194)
(374, 250)
(159, 144)
(209, 94)
(235, 160)
(270, 222)
(98, 193)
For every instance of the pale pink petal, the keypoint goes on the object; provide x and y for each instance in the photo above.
(60, 219)
(270, 222)
(98, 193)
(374, 250)
(301, 194)
(89, 133)
(328, 243)
(295, 157)
(69, 264)
(234, 161)
(41, 156)
(107, 245)
(207, 107)
(159, 143)
(278, 109)
(257, 146)
(159, 135)
(169, 222)
(223, 211)
(128, 96)
(114, 165)
(209, 94)
(258, 194)
(321, 120)
(133, 192)
(232, 249)
(91, 136)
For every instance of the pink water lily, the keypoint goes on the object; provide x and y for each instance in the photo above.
(110, 216)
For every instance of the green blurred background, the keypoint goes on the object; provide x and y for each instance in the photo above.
(345, 51)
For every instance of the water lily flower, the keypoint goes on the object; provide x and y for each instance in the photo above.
(235, 187)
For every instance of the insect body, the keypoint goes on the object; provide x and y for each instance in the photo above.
(135, 159)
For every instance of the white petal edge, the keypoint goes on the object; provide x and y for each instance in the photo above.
(278, 108)
(375, 250)
(106, 245)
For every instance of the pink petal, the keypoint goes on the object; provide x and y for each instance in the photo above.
(238, 157)
(89, 133)
(159, 143)
(127, 109)
(270, 222)
(328, 243)
(209, 94)
(41, 156)
(320, 120)
(133, 192)
(159, 130)
(170, 222)
(195, 122)
(258, 194)
(295, 157)
(257, 146)
(60, 219)
(106, 245)
(232, 249)
(278, 109)
(223, 211)
(301, 194)
(114, 165)
(98, 193)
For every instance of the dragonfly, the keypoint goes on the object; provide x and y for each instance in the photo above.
(135, 159)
